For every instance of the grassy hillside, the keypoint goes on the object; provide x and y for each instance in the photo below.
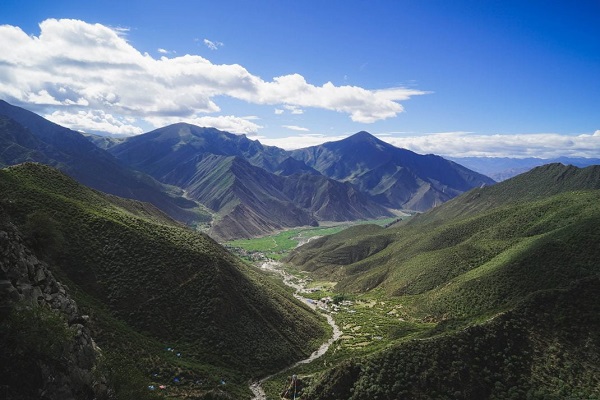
(536, 184)
(498, 284)
(473, 265)
(546, 348)
(149, 282)
(504, 246)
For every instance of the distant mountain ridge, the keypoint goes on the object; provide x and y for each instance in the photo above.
(250, 188)
(502, 168)
(359, 177)
(255, 189)
(394, 177)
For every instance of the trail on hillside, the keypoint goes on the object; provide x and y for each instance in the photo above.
(288, 279)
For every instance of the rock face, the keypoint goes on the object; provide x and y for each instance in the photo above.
(30, 298)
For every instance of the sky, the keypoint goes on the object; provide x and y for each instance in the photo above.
(455, 78)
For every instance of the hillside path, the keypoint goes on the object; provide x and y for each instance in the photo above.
(288, 279)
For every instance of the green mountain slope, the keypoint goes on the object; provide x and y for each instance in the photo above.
(546, 348)
(508, 274)
(128, 262)
(476, 248)
(536, 184)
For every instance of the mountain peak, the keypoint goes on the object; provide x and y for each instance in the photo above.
(361, 137)
(365, 138)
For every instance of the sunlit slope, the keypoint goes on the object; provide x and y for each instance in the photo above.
(164, 281)
(545, 348)
(536, 184)
(465, 265)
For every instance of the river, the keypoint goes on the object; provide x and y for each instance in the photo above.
(288, 279)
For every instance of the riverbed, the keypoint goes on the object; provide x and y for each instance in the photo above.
(289, 280)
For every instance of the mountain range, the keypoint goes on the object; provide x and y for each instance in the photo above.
(237, 186)
(396, 178)
(488, 292)
(253, 189)
(256, 189)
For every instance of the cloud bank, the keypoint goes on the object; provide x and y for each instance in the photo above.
(73, 65)
(466, 144)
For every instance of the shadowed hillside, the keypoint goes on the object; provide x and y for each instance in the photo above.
(254, 189)
(25, 136)
(128, 262)
(396, 178)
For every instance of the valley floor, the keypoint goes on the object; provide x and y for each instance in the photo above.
(300, 289)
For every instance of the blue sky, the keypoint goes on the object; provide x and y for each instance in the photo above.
(457, 78)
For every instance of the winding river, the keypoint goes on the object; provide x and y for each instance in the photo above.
(274, 266)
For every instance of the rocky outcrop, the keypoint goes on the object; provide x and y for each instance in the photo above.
(31, 296)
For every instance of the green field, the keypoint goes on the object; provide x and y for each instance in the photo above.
(276, 246)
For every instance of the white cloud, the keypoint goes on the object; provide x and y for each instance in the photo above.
(229, 123)
(212, 45)
(76, 64)
(294, 109)
(163, 51)
(295, 128)
(95, 121)
(279, 111)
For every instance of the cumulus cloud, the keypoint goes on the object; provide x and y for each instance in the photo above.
(295, 128)
(94, 121)
(278, 111)
(73, 64)
(212, 45)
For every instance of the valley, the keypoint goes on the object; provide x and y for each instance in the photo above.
(428, 323)
(200, 262)
(300, 290)
(296, 200)
(362, 324)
